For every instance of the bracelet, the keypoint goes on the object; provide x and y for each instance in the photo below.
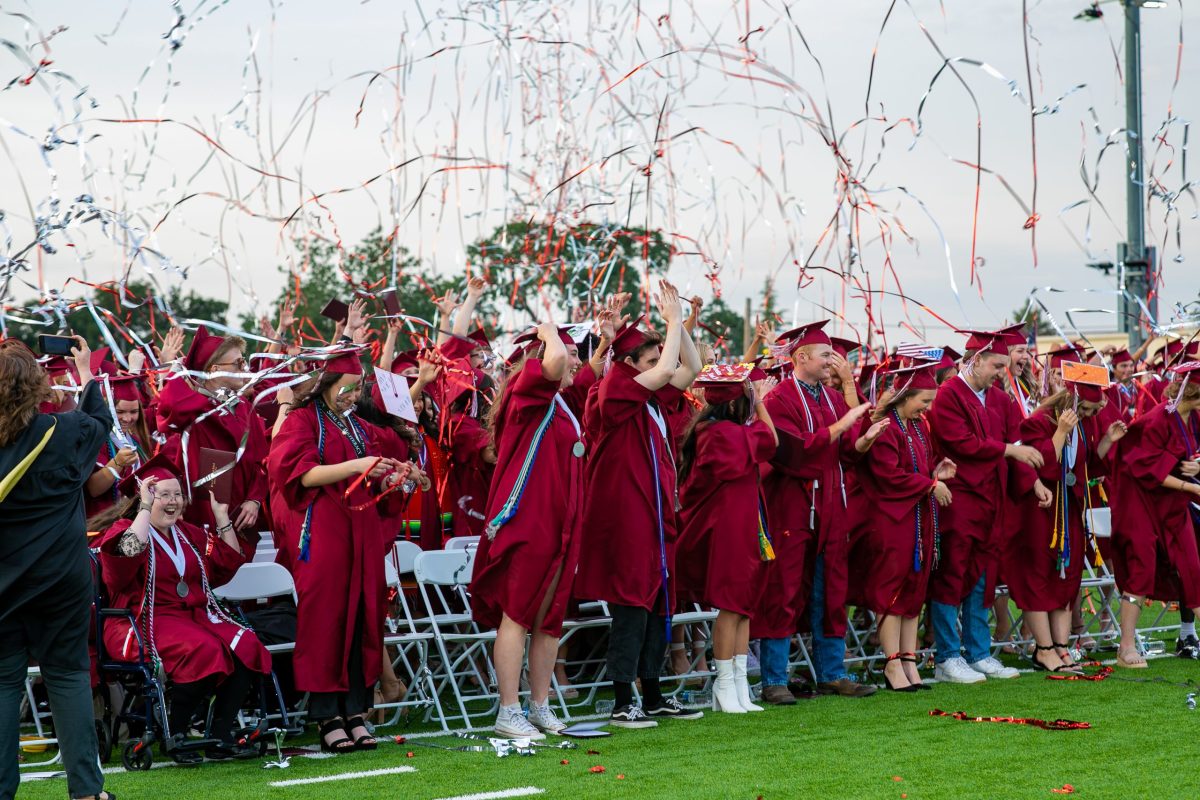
(116, 475)
(143, 507)
(225, 528)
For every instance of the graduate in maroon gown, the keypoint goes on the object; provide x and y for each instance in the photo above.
(527, 558)
(1122, 392)
(1157, 494)
(1045, 559)
(121, 453)
(340, 492)
(629, 527)
(189, 418)
(164, 569)
(974, 424)
(805, 495)
(724, 544)
(906, 487)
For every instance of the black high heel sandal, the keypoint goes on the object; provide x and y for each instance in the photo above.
(887, 681)
(1073, 666)
(1040, 667)
(911, 658)
(367, 742)
(342, 745)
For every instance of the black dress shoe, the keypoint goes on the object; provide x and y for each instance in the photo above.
(228, 751)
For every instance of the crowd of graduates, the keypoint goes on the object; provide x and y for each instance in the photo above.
(604, 461)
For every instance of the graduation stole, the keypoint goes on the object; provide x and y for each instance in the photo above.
(513, 502)
(360, 450)
(14, 477)
(918, 550)
(662, 531)
(1060, 539)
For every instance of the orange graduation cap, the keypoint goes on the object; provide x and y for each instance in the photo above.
(159, 467)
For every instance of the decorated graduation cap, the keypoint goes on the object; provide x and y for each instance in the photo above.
(203, 347)
(915, 378)
(987, 342)
(531, 336)
(724, 383)
(159, 467)
(1086, 381)
(628, 339)
(1183, 373)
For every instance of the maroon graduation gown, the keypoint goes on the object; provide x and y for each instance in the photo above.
(179, 406)
(804, 489)
(1032, 569)
(191, 643)
(621, 557)
(344, 570)
(897, 494)
(1122, 399)
(973, 436)
(1154, 545)
(470, 475)
(718, 563)
(515, 569)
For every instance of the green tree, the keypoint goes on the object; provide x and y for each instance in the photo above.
(138, 309)
(367, 268)
(572, 265)
(721, 324)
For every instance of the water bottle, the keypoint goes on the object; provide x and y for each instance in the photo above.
(1191, 701)
(605, 706)
(695, 697)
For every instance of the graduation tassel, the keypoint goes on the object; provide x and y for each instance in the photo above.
(766, 552)
(509, 509)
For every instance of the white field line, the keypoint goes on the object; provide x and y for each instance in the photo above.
(522, 791)
(343, 776)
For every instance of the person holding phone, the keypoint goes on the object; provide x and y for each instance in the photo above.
(339, 493)
(163, 569)
(45, 574)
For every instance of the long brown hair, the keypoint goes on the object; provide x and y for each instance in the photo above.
(23, 386)
(1191, 393)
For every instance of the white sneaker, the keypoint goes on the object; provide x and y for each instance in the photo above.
(542, 717)
(955, 670)
(511, 724)
(994, 669)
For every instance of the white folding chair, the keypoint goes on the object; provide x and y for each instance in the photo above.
(442, 577)
(410, 641)
(461, 543)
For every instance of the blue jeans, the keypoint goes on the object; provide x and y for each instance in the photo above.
(773, 659)
(976, 636)
(828, 652)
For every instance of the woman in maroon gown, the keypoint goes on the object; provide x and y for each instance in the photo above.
(1044, 559)
(189, 419)
(163, 569)
(724, 546)
(528, 555)
(1154, 544)
(903, 486)
(331, 474)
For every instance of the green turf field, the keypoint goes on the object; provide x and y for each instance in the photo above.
(1141, 744)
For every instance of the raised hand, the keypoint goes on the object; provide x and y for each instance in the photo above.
(287, 316)
(136, 359)
(172, 346)
(82, 354)
(475, 288)
(446, 305)
(606, 321)
(357, 316)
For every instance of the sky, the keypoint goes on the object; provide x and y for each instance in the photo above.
(818, 145)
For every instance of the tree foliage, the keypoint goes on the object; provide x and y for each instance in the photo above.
(1031, 313)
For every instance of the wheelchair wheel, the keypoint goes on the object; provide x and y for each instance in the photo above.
(104, 743)
(136, 756)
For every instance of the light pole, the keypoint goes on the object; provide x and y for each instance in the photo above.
(1135, 261)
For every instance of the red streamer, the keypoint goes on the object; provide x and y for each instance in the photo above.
(1049, 725)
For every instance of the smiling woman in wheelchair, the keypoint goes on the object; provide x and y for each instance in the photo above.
(163, 570)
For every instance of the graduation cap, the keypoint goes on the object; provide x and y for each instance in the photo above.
(987, 342)
(100, 362)
(126, 388)
(405, 361)
(628, 339)
(812, 333)
(520, 352)
(915, 378)
(203, 347)
(950, 357)
(1065, 352)
(1014, 335)
(480, 338)
(345, 362)
(531, 336)
(724, 383)
(159, 467)
(57, 365)
(1183, 373)
(844, 347)
(1121, 356)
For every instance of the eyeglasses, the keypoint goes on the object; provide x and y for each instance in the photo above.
(241, 362)
(166, 498)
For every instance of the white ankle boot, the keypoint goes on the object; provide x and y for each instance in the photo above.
(742, 683)
(724, 690)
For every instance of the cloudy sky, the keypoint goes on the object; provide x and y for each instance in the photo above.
(766, 151)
